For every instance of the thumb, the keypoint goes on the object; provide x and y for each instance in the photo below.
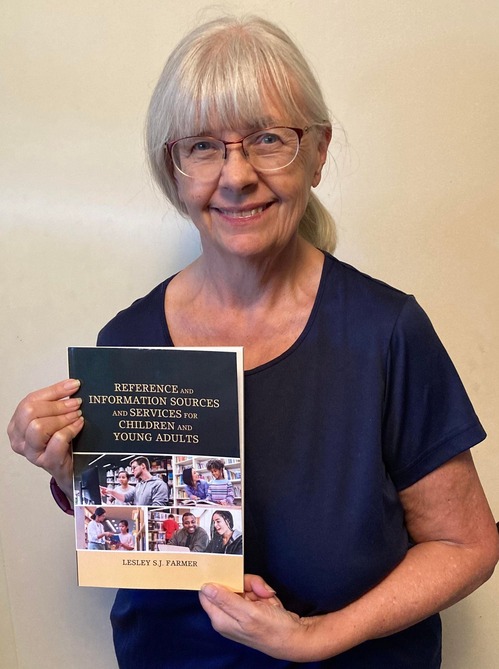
(219, 602)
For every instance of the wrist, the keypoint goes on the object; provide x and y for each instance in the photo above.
(61, 497)
(312, 644)
(325, 636)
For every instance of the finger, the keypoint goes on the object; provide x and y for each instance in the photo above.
(48, 440)
(38, 432)
(256, 584)
(66, 434)
(41, 430)
(56, 458)
(56, 391)
(268, 598)
(223, 606)
(44, 408)
(240, 620)
(43, 403)
(30, 409)
(252, 597)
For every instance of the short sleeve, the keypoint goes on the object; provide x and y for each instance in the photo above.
(428, 417)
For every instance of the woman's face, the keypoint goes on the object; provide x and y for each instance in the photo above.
(122, 479)
(220, 524)
(195, 477)
(245, 213)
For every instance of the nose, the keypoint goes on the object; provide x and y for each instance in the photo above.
(237, 172)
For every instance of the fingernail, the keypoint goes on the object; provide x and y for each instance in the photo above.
(71, 384)
(209, 590)
(269, 589)
(73, 402)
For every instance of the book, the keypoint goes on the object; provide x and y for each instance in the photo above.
(199, 502)
(163, 429)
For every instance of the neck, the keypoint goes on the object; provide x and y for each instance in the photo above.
(246, 282)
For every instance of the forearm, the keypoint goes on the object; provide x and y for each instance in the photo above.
(120, 496)
(456, 550)
(127, 547)
(199, 546)
(432, 576)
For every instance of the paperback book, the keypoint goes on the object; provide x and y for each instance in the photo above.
(158, 467)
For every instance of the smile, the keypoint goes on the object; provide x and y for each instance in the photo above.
(247, 213)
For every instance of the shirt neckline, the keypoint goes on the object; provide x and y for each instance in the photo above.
(326, 269)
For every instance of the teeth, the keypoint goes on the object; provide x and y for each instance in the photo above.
(243, 214)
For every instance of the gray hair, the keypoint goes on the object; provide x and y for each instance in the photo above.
(218, 71)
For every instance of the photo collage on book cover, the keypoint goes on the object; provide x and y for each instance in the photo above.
(186, 503)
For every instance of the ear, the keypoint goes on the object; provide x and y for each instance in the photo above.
(326, 134)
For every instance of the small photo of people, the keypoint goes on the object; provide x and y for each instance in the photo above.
(200, 480)
(225, 537)
(122, 480)
(101, 528)
(195, 530)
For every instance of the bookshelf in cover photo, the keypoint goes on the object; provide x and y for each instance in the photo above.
(154, 417)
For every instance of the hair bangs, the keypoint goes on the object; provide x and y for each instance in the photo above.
(233, 86)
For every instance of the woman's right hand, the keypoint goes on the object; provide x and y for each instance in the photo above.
(43, 426)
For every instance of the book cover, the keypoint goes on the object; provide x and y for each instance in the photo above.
(158, 467)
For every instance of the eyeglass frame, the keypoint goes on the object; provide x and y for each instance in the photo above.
(300, 132)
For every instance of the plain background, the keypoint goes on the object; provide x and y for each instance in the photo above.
(415, 196)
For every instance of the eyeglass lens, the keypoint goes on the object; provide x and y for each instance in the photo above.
(266, 150)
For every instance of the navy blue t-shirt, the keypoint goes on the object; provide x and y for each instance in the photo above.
(365, 403)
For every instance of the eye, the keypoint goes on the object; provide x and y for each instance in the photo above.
(267, 139)
(203, 145)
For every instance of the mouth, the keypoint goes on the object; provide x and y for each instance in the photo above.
(243, 213)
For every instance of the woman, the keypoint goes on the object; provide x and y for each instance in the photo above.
(124, 487)
(220, 489)
(126, 539)
(96, 535)
(344, 375)
(195, 487)
(224, 538)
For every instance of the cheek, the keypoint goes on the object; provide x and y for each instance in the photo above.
(193, 194)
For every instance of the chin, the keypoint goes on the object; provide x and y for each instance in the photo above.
(252, 246)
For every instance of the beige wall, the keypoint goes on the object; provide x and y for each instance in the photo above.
(83, 233)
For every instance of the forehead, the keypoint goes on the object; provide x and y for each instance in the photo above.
(214, 117)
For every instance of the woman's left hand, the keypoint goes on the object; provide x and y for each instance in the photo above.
(258, 619)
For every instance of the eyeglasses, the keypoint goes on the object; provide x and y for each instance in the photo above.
(266, 150)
